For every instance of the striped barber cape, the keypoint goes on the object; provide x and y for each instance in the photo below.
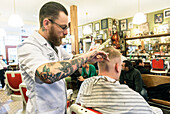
(107, 96)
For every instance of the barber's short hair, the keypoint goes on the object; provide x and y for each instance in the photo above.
(128, 64)
(138, 61)
(51, 10)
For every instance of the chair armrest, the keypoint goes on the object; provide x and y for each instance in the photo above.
(163, 102)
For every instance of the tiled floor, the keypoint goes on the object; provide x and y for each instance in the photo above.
(8, 106)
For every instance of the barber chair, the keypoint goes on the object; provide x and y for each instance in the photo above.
(69, 95)
(23, 90)
(77, 109)
(13, 80)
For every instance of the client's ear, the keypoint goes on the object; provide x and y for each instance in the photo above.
(117, 68)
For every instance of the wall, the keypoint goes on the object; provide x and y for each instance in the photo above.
(104, 32)
(150, 20)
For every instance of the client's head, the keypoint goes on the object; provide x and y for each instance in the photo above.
(111, 68)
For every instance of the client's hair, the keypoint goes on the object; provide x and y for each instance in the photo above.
(113, 54)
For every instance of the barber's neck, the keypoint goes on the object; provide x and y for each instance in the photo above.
(43, 33)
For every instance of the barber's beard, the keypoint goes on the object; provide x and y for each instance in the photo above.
(54, 38)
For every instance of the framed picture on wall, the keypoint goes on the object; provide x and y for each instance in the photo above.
(167, 13)
(126, 34)
(123, 25)
(80, 32)
(130, 25)
(144, 28)
(87, 29)
(104, 24)
(100, 36)
(96, 26)
(158, 18)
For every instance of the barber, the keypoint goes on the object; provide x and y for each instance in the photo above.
(44, 64)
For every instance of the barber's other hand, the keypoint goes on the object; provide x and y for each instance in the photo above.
(97, 56)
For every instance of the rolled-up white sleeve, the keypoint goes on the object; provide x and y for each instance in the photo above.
(30, 58)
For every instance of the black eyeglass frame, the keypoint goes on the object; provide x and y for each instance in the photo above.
(64, 28)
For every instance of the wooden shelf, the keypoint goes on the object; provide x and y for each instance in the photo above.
(164, 43)
(148, 36)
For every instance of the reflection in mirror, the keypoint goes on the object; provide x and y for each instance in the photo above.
(158, 46)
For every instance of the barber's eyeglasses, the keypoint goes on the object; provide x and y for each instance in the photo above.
(64, 27)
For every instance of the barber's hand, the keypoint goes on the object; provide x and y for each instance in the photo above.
(94, 47)
(81, 78)
(97, 56)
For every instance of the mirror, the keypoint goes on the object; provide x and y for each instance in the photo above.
(152, 46)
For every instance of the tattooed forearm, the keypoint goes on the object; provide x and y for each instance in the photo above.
(93, 56)
(47, 77)
(66, 67)
(52, 72)
(78, 62)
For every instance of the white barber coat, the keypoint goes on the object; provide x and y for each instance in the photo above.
(43, 98)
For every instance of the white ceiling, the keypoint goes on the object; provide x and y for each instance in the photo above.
(97, 9)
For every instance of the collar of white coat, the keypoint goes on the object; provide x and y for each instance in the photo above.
(40, 38)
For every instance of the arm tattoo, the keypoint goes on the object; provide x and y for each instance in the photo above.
(65, 69)
(43, 28)
(78, 62)
(92, 55)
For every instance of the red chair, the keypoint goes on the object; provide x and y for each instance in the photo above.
(13, 80)
(69, 99)
(158, 64)
(23, 90)
(77, 109)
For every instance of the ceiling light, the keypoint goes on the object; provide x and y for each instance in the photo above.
(15, 20)
(139, 17)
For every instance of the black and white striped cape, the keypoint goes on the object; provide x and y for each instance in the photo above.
(109, 97)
